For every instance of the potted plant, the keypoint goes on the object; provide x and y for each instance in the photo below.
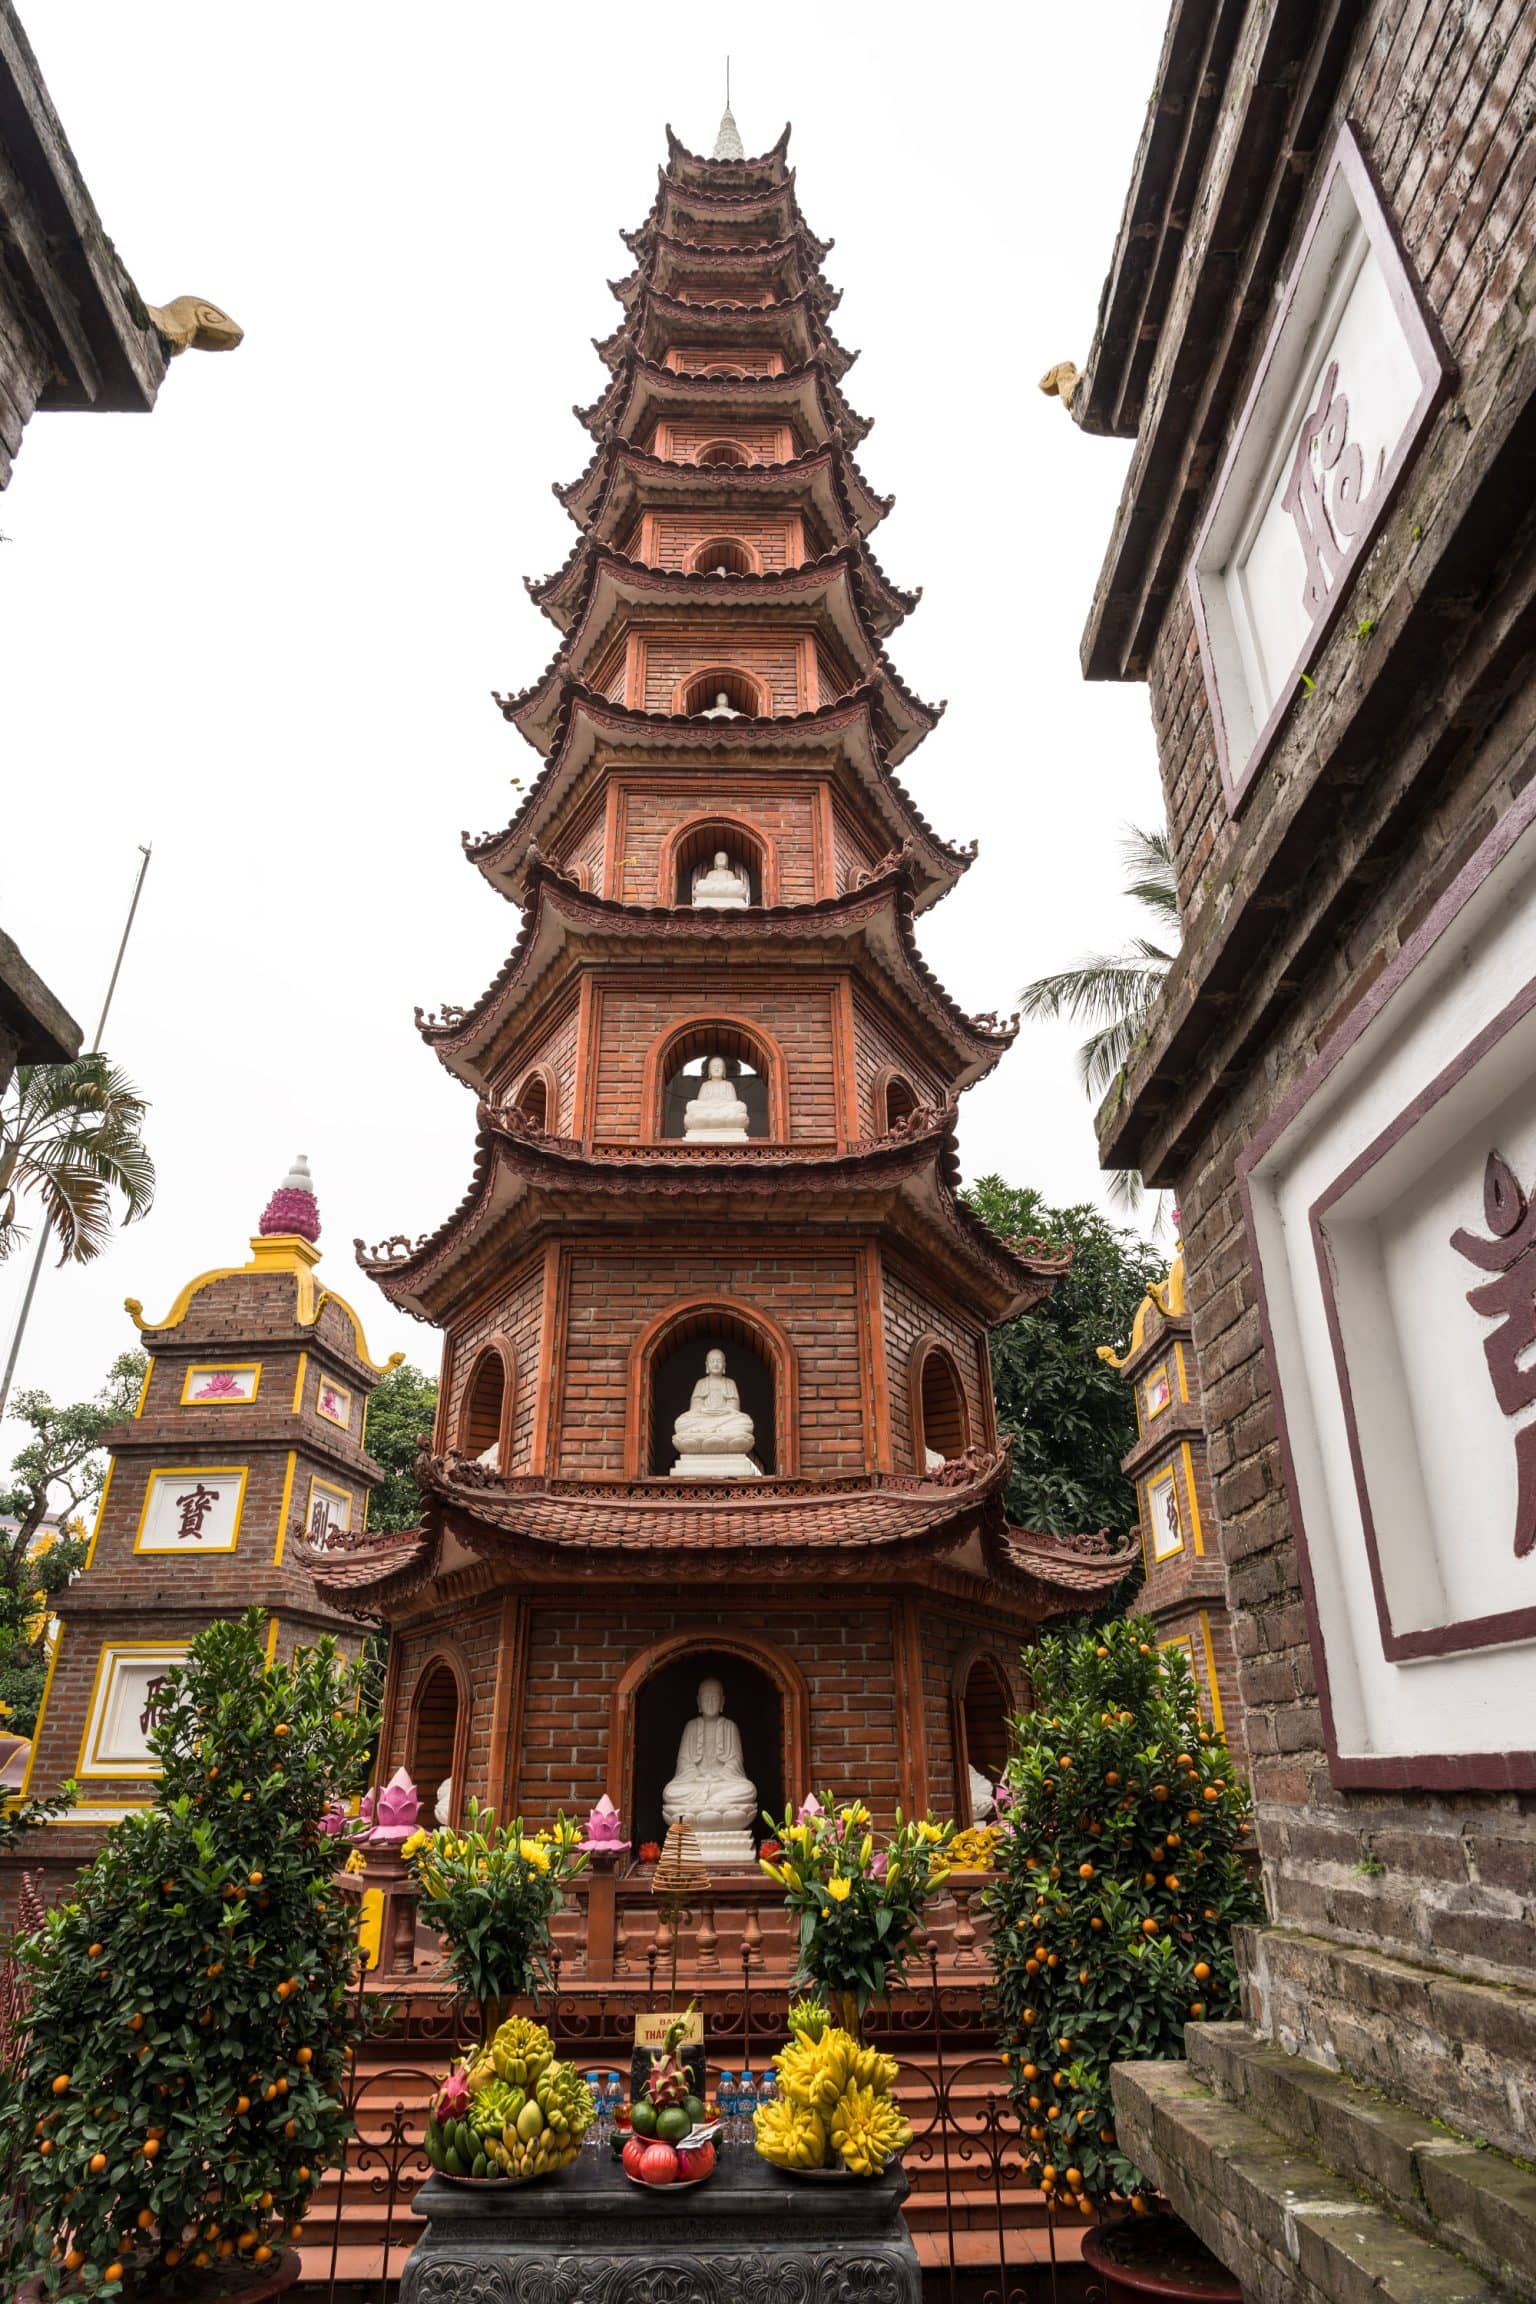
(857, 1904)
(1121, 1872)
(490, 1891)
(191, 2005)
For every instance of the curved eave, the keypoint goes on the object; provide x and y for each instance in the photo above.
(1082, 1569)
(640, 384)
(591, 721)
(710, 203)
(659, 321)
(788, 259)
(691, 170)
(881, 606)
(824, 587)
(564, 921)
(620, 478)
(820, 482)
(905, 1185)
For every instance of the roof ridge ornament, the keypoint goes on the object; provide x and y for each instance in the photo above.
(728, 144)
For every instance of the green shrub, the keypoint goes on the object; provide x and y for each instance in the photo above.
(1119, 1882)
(191, 2005)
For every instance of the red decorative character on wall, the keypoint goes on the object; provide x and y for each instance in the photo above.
(1510, 1299)
(194, 1509)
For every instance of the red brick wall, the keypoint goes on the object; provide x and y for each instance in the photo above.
(673, 536)
(877, 1053)
(552, 1046)
(515, 1313)
(634, 1010)
(784, 810)
(666, 658)
(912, 1311)
(679, 438)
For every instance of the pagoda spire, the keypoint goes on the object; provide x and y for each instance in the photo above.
(728, 144)
(293, 1207)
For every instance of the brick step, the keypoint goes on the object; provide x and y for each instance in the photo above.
(1453, 2193)
(1251, 2193)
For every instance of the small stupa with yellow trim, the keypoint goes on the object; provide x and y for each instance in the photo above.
(244, 1458)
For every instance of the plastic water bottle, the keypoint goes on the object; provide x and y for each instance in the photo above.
(768, 2086)
(725, 2097)
(596, 2135)
(612, 2104)
(746, 2105)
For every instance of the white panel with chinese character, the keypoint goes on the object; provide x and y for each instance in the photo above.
(1163, 1515)
(192, 1511)
(1396, 1232)
(129, 1679)
(330, 1512)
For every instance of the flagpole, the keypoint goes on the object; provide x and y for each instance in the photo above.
(95, 1049)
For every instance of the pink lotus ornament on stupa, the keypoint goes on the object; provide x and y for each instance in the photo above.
(605, 1831)
(395, 1811)
(293, 1207)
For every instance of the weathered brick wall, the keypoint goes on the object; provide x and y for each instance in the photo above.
(636, 1010)
(672, 536)
(911, 1312)
(513, 1312)
(664, 659)
(878, 1052)
(784, 811)
(551, 1048)
(680, 438)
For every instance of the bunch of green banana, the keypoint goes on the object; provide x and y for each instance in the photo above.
(808, 2019)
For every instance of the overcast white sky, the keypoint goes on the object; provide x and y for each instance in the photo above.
(260, 628)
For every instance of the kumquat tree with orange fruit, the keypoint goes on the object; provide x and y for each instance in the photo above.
(1120, 1876)
(191, 2005)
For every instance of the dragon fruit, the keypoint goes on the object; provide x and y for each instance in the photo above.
(452, 2099)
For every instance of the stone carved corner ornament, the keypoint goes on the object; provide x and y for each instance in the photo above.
(1510, 1298)
(192, 324)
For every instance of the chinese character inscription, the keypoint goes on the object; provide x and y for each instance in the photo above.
(1327, 496)
(194, 1508)
(1509, 1298)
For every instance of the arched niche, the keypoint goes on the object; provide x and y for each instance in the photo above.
(535, 1098)
(898, 1100)
(485, 1411)
(437, 1738)
(668, 1361)
(724, 556)
(657, 1695)
(693, 847)
(941, 1420)
(982, 1708)
(673, 1068)
(717, 452)
(699, 695)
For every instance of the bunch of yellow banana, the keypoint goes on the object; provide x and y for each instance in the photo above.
(790, 2135)
(814, 2073)
(867, 2130)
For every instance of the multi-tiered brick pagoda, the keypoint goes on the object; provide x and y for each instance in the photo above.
(716, 1093)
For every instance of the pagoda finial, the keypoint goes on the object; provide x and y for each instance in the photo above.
(292, 1207)
(728, 144)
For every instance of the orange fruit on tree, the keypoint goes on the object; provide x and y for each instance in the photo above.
(1202, 1970)
(113, 2272)
(263, 2255)
(150, 2147)
(1149, 1927)
(304, 2056)
(73, 2260)
(61, 2082)
(97, 2162)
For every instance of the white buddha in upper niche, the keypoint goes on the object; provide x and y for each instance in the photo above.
(717, 1114)
(714, 1436)
(721, 709)
(720, 887)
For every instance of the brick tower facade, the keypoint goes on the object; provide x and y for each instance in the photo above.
(1185, 1592)
(248, 1433)
(719, 873)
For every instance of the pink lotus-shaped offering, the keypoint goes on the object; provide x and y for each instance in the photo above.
(605, 1831)
(396, 1810)
(809, 1809)
(452, 2099)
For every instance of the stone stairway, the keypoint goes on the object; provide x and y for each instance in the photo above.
(1348, 2194)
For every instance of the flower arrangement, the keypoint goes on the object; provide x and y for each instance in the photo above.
(834, 2106)
(1120, 1879)
(490, 1892)
(511, 2112)
(974, 1849)
(858, 1905)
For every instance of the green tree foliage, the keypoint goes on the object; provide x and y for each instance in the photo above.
(1071, 1417)
(400, 1415)
(70, 1134)
(1120, 1878)
(58, 1471)
(191, 2005)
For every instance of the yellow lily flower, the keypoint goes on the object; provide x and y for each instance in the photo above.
(838, 1887)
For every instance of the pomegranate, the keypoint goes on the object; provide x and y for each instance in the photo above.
(634, 2152)
(658, 2164)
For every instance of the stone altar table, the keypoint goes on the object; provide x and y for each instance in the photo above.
(750, 2235)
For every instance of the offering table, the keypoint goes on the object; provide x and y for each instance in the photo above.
(749, 2234)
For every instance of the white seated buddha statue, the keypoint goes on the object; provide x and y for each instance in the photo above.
(721, 709)
(721, 888)
(711, 1788)
(717, 1114)
(714, 1436)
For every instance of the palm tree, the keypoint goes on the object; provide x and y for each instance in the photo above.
(1114, 991)
(70, 1133)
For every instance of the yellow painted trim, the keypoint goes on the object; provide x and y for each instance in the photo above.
(1178, 1361)
(220, 1368)
(1217, 1721)
(101, 1506)
(240, 1472)
(283, 1508)
(1193, 1501)
(149, 1369)
(271, 1640)
(328, 1488)
(175, 1652)
(298, 1383)
(277, 1252)
(42, 1708)
(341, 1423)
(1156, 1480)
